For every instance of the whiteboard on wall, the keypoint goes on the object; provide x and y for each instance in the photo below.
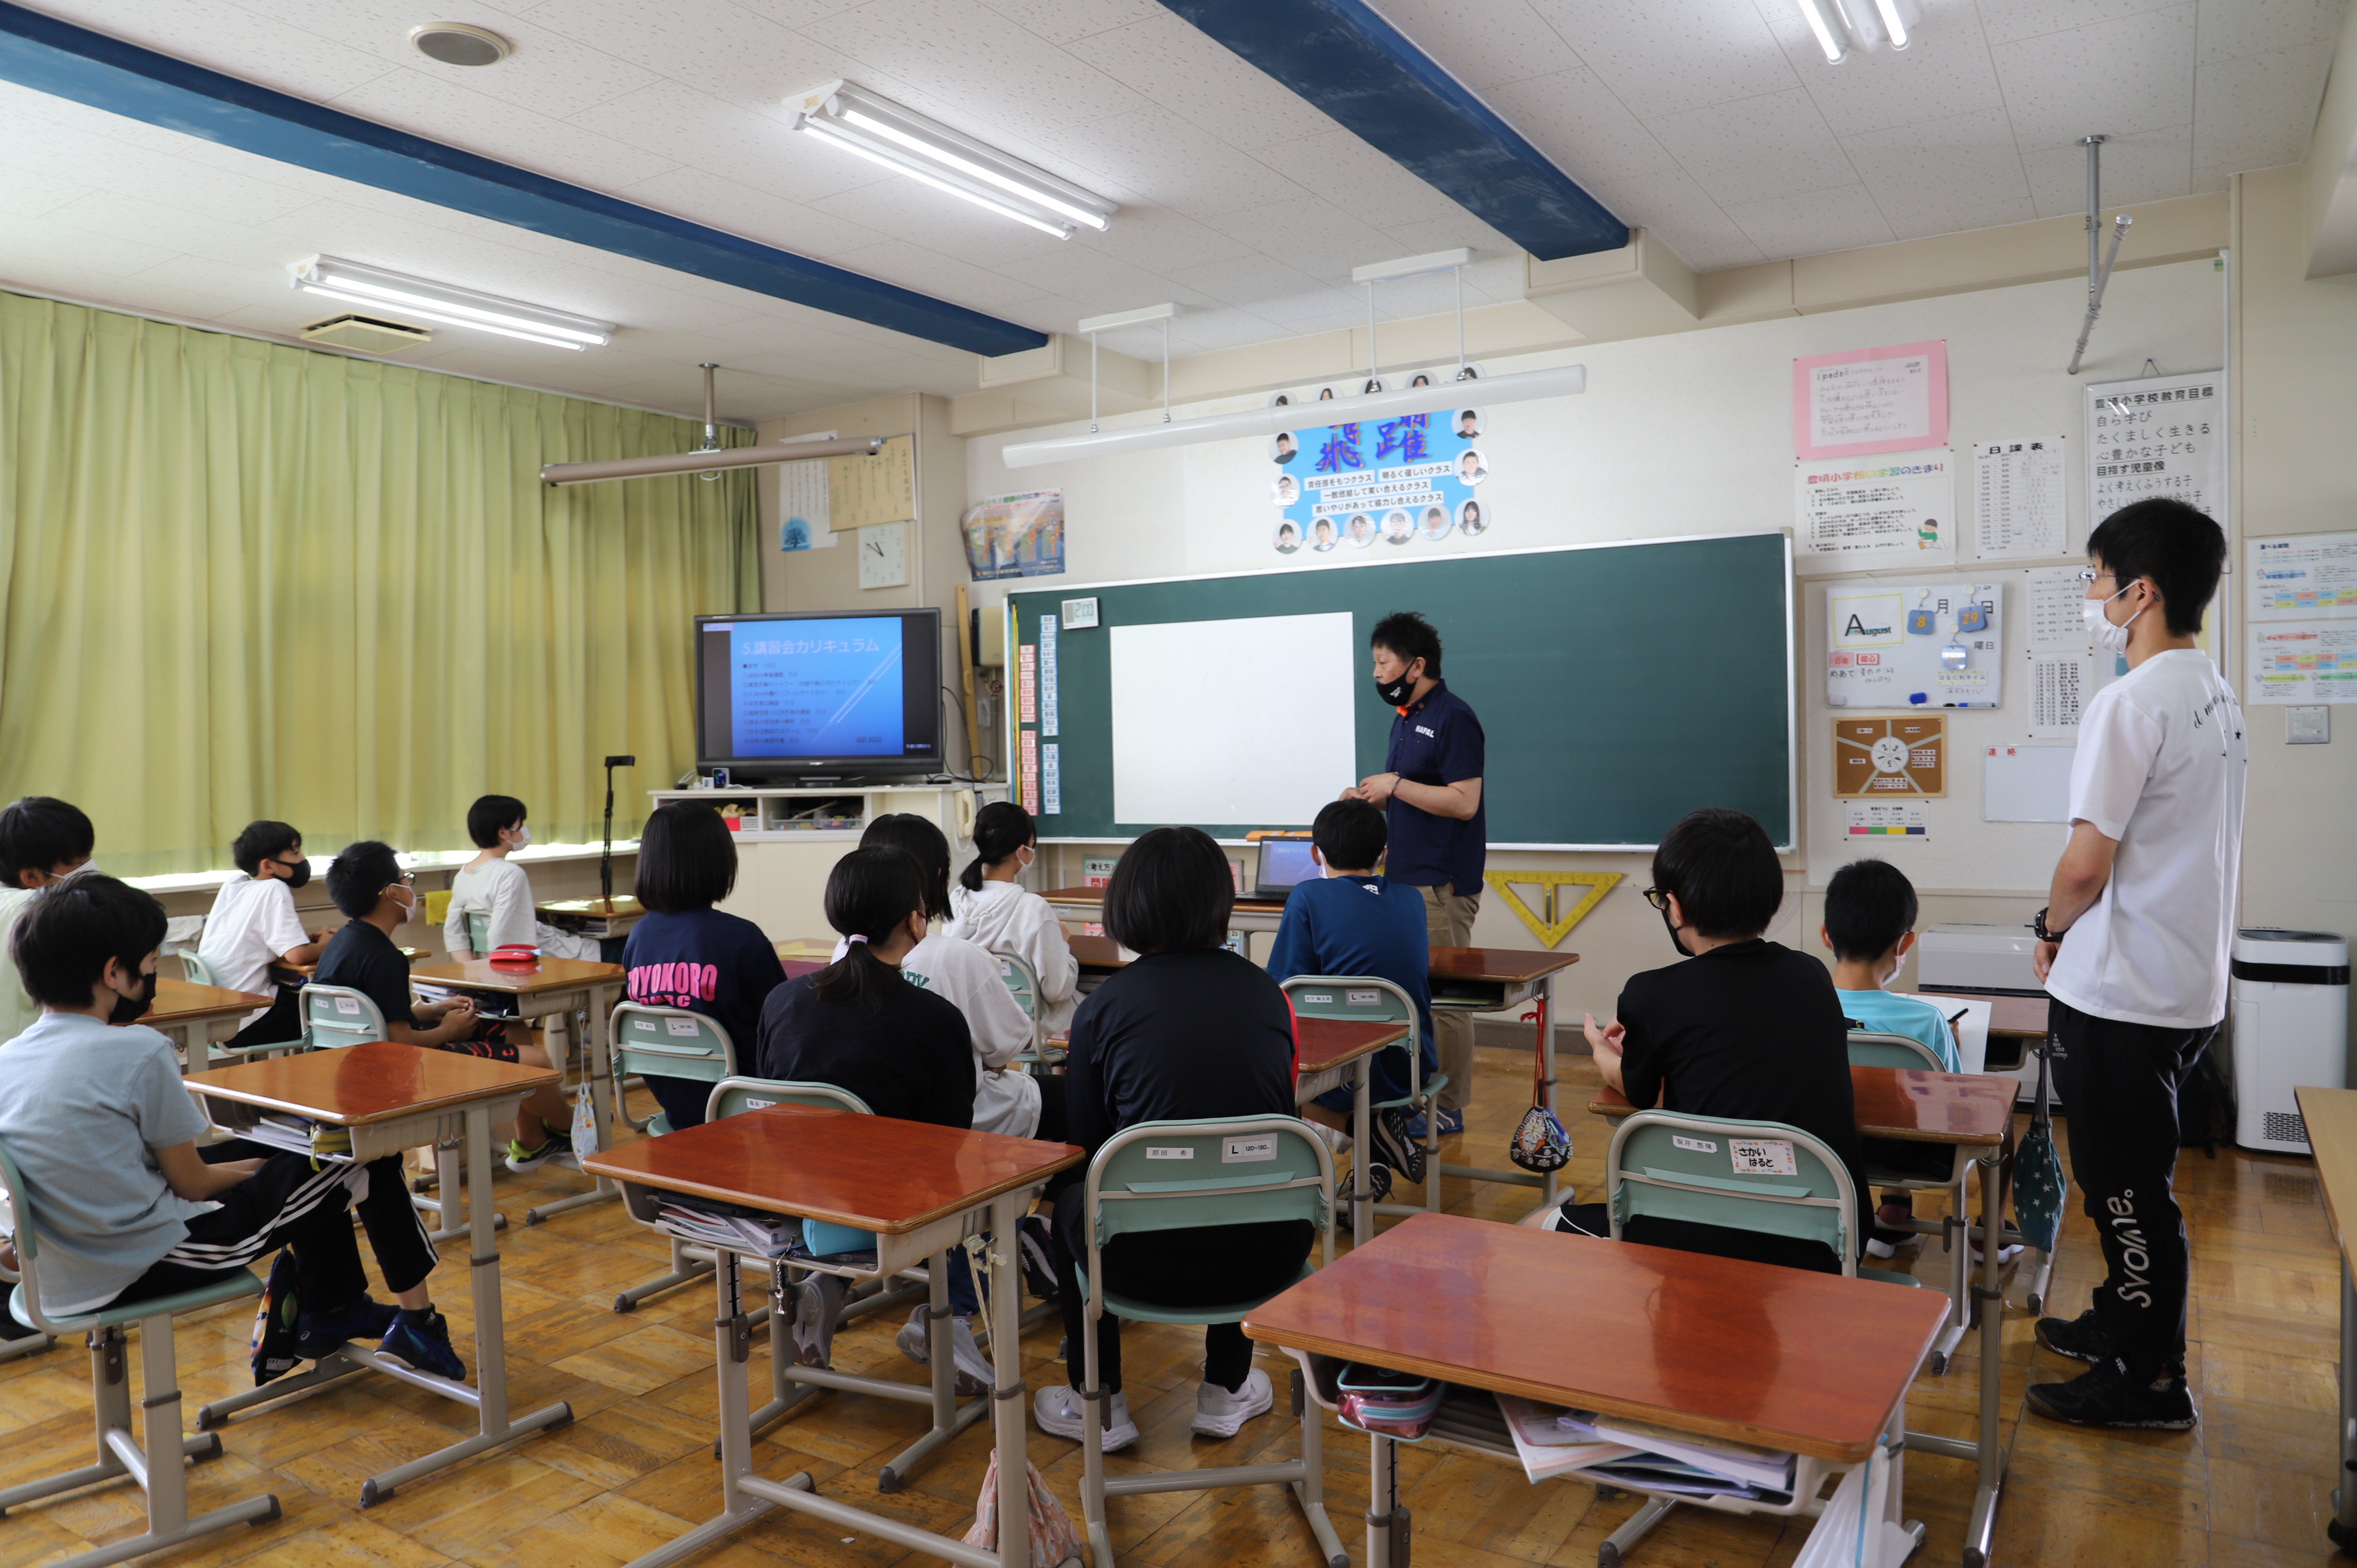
(1190, 745)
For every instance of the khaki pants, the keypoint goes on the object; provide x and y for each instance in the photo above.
(1448, 923)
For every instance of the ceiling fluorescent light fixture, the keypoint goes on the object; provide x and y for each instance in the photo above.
(851, 118)
(1842, 26)
(1520, 387)
(357, 284)
(1414, 266)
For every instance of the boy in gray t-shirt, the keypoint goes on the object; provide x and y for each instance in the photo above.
(125, 1205)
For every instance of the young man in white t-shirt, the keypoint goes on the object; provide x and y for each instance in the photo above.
(495, 887)
(2133, 948)
(253, 927)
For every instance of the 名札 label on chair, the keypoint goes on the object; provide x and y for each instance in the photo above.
(753, 1104)
(1319, 998)
(1699, 1145)
(1365, 998)
(1762, 1157)
(1244, 1151)
(680, 1026)
(348, 1004)
(1157, 1152)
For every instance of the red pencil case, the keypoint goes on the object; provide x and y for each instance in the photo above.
(516, 952)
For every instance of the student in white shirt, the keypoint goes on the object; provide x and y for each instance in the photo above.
(2133, 948)
(495, 887)
(43, 841)
(994, 911)
(253, 925)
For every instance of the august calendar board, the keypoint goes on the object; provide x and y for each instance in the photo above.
(1914, 645)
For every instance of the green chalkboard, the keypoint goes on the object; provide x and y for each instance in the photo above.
(1620, 686)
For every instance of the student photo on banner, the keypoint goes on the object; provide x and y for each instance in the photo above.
(1288, 537)
(1360, 530)
(1397, 529)
(1435, 523)
(1287, 489)
(1467, 424)
(1282, 446)
(1470, 520)
(1470, 467)
(1321, 536)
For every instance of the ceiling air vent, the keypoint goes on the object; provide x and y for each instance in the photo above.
(367, 334)
(459, 43)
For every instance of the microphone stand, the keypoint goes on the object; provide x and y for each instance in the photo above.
(606, 860)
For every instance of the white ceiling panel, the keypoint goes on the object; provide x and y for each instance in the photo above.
(1714, 122)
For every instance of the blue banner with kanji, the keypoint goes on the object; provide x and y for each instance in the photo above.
(1416, 479)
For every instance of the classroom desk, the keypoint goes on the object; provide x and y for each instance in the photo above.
(299, 973)
(1087, 904)
(2016, 1017)
(910, 1182)
(392, 1098)
(1097, 952)
(191, 1015)
(1781, 1357)
(593, 916)
(550, 987)
(1323, 1047)
(1974, 1109)
(2331, 1115)
(1490, 980)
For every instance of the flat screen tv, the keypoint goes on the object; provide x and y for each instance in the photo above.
(823, 693)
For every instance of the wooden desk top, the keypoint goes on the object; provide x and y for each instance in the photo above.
(1095, 897)
(1907, 1104)
(1097, 952)
(621, 905)
(2331, 1118)
(2023, 1018)
(186, 1002)
(1328, 1043)
(375, 1082)
(819, 948)
(1514, 966)
(871, 1173)
(1784, 1357)
(520, 979)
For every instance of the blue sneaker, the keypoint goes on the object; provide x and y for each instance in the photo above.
(318, 1335)
(420, 1340)
(1451, 1124)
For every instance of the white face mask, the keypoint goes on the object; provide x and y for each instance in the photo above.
(524, 837)
(2110, 638)
(409, 908)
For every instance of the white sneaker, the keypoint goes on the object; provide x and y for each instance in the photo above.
(818, 1306)
(1219, 1413)
(975, 1374)
(1875, 1249)
(2005, 1254)
(1336, 1139)
(1058, 1410)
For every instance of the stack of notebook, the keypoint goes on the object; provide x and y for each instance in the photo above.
(1640, 1456)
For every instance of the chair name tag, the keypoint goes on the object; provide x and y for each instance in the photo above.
(1763, 1156)
(680, 1026)
(1244, 1151)
(348, 1004)
(1699, 1145)
(1365, 998)
(753, 1104)
(1319, 998)
(1156, 1152)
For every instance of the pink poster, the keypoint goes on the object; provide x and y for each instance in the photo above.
(1864, 401)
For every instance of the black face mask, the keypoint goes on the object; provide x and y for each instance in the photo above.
(298, 873)
(1395, 693)
(1683, 950)
(131, 1009)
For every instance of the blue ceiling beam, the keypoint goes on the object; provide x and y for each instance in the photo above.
(1364, 72)
(71, 62)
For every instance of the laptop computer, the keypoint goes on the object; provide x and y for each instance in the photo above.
(1284, 864)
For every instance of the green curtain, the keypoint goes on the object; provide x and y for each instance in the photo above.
(240, 579)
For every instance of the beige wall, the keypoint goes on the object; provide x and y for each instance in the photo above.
(829, 579)
(2295, 342)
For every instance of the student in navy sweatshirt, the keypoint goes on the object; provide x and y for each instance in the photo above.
(1351, 922)
(1190, 1030)
(686, 953)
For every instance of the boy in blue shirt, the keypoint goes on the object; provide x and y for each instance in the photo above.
(1871, 925)
(1351, 922)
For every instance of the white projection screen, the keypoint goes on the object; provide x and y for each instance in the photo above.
(1232, 721)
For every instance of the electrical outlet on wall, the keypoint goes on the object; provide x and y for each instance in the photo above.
(2307, 725)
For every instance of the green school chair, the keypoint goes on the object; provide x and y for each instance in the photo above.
(196, 971)
(730, 1096)
(1369, 999)
(1023, 984)
(478, 934)
(156, 1464)
(1894, 1166)
(1236, 1171)
(669, 1042)
(338, 1015)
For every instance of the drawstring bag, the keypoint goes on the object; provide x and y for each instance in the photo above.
(2038, 1184)
(1540, 1143)
(274, 1320)
(1053, 1539)
(585, 1121)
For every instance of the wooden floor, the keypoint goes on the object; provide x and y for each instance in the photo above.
(2250, 1487)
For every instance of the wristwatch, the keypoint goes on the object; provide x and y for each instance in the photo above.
(2038, 927)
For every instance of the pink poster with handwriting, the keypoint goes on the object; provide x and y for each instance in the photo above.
(1864, 401)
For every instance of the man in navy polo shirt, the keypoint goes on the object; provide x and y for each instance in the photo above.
(1431, 794)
